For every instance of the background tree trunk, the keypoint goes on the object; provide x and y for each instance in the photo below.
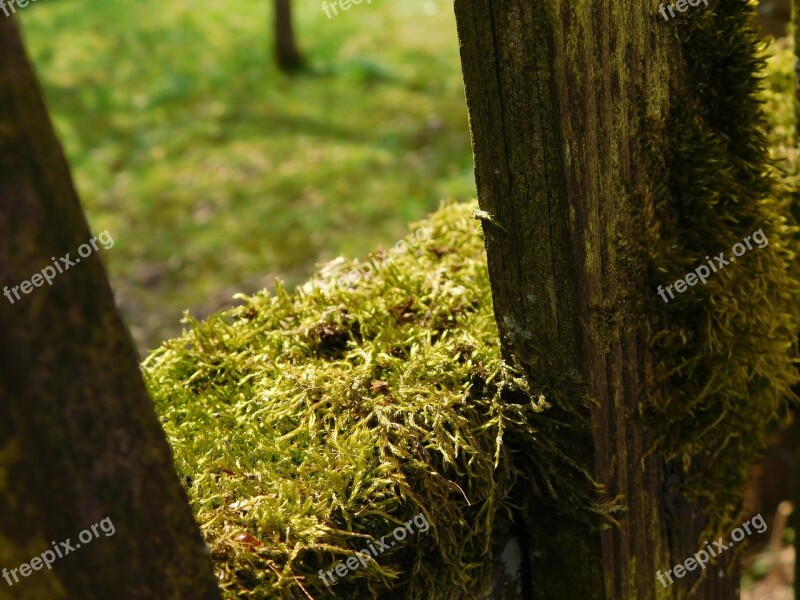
(562, 103)
(286, 52)
(79, 439)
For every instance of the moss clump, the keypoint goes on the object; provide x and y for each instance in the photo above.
(723, 351)
(305, 425)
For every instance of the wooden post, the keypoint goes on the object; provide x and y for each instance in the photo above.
(562, 98)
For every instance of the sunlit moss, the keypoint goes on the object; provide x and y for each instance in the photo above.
(312, 420)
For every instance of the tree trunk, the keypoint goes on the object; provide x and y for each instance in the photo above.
(567, 103)
(287, 54)
(80, 443)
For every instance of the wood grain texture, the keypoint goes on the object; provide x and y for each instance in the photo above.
(562, 97)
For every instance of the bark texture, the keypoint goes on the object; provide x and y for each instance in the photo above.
(286, 50)
(79, 439)
(563, 98)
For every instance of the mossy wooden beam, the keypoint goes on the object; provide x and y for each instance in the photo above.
(345, 410)
(79, 439)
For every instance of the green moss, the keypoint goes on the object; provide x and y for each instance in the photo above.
(723, 351)
(312, 421)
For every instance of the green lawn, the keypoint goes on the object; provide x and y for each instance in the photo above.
(214, 172)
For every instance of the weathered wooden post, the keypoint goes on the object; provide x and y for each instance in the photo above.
(604, 165)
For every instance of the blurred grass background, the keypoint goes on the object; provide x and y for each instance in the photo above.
(214, 172)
